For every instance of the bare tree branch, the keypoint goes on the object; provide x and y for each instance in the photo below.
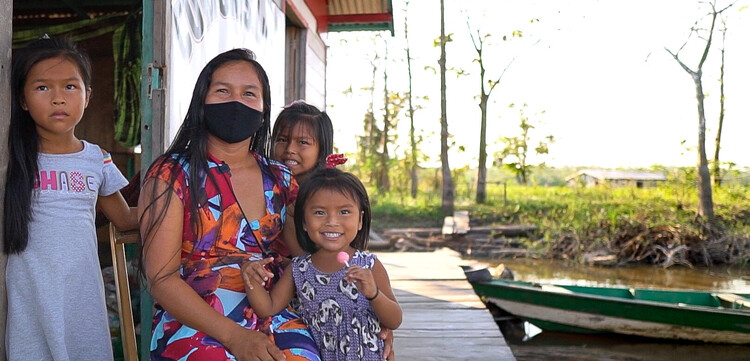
(677, 58)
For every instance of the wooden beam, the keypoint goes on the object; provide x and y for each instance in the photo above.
(360, 18)
(6, 35)
(734, 299)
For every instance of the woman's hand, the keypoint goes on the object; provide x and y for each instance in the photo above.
(364, 280)
(247, 345)
(386, 334)
(256, 273)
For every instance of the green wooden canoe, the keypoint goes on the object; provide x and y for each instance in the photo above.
(717, 317)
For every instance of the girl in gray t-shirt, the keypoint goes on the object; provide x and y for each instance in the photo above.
(56, 307)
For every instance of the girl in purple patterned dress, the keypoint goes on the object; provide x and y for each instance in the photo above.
(303, 140)
(343, 306)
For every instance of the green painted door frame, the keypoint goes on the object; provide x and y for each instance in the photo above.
(6, 35)
(155, 35)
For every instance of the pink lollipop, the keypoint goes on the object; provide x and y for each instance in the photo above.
(343, 257)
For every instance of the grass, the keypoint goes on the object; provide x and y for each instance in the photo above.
(592, 218)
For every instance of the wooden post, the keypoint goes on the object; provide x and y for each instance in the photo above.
(6, 40)
(505, 194)
(155, 42)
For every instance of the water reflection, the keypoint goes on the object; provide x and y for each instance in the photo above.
(564, 346)
(729, 279)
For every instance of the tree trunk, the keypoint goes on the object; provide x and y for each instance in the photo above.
(412, 138)
(717, 144)
(484, 96)
(482, 171)
(705, 197)
(449, 191)
(370, 130)
(383, 183)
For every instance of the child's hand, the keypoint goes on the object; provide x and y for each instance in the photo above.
(255, 272)
(364, 280)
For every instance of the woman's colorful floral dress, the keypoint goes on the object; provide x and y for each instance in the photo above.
(212, 257)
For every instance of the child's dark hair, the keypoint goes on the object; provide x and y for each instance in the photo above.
(335, 180)
(23, 139)
(299, 112)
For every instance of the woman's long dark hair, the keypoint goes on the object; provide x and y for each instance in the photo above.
(23, 139)
(189, 146)
(301, 113)
(334, 180)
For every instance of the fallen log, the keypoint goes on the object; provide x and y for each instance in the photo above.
(496, 231)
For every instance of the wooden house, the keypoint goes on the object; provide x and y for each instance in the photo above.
(597, 177)
(166, 43)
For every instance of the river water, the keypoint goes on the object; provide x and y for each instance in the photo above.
(562, 346)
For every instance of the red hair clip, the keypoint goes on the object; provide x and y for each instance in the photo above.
(333, 160)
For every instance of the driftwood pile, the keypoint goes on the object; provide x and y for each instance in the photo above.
(631, 243)
(482, 241)
(660, 245)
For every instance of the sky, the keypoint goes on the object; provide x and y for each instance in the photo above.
(593, 74)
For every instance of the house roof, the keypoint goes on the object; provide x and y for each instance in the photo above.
(332, 15)
(352, 15)
(52, 12)
(607, 174)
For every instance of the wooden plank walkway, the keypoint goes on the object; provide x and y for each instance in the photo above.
(443, 317)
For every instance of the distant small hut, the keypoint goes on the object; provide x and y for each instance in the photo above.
(596, 177)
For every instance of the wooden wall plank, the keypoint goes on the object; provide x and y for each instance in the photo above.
(6, 37)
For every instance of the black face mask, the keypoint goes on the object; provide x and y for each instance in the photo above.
(233, 121)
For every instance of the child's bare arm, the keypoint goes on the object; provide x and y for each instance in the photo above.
(376, 286)
(289, 234)
(118, 212)
(265, 304)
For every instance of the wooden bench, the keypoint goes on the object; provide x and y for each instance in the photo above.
(117, 241)
(556, 289)
(733, 299)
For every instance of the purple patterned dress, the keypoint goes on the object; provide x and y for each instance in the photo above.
(340, 318)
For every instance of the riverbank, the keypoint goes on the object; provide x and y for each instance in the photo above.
(654, 226)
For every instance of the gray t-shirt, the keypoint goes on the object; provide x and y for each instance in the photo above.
(56, 307)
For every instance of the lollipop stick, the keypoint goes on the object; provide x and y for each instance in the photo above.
(343, 257)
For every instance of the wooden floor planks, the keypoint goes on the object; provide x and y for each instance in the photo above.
(443, 317)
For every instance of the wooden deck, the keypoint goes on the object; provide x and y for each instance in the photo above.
(443, 317)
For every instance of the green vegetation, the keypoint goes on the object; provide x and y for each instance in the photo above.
(639, 225)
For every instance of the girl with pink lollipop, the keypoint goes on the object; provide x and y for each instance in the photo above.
(345, 304)
(303, 141)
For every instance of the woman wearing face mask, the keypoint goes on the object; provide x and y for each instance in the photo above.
(212, 202)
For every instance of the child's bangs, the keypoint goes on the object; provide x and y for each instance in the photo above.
(303, 124)
(342, 188)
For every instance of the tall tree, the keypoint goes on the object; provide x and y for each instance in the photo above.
(382, 181)
(515, 154)
(485, 91)
(717, 144)
(705, 196)
(449, 189)
(412, 137)
(368, 143)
